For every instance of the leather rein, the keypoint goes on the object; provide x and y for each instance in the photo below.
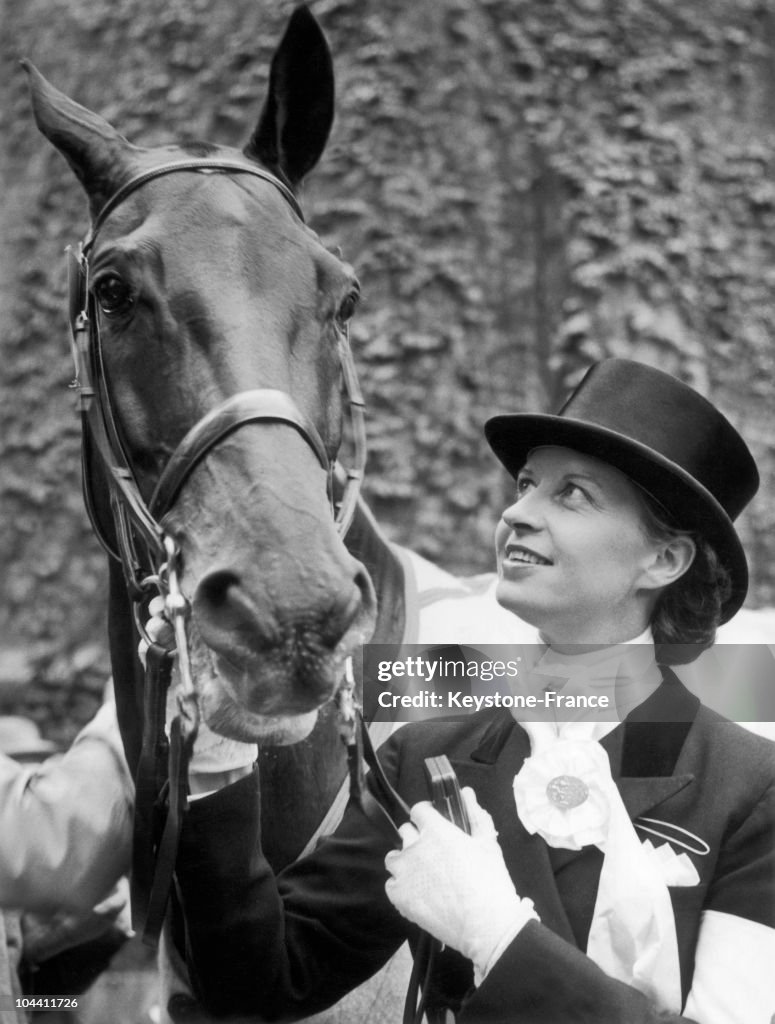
(150, 556)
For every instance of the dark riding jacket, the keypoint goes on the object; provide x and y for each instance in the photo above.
(282, 947)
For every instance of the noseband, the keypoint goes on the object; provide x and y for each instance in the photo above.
(149, 555)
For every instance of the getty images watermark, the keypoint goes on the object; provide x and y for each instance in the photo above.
(462, 678)
(415, 682)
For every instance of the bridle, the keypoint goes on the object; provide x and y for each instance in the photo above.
(149, 555)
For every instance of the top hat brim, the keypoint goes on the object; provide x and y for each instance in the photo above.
(689, 503)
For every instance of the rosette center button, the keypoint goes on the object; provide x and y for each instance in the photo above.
(567, 791)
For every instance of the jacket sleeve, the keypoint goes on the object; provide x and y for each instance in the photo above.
(542, 979)
(283, 946)
(66, 825)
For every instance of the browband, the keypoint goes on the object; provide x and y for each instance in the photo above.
(203, 167)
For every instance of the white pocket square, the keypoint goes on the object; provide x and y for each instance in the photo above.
(675, 868)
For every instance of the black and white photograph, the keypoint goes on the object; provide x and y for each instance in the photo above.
(387, 463)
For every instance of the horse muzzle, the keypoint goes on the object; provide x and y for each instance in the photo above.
(282, 657)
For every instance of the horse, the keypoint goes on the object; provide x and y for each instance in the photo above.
(213, 353)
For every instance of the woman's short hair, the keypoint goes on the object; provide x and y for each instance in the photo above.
(687, 612)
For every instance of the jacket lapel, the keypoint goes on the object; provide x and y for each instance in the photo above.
(644, 750)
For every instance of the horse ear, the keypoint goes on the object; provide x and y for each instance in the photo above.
(299, 108)
(94, 150)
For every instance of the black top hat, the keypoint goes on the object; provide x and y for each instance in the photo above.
(663, 435)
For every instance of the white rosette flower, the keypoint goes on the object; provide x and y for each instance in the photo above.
(562, 794)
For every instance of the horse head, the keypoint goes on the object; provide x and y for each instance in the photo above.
(206, 283)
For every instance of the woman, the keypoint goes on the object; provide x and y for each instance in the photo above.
(619, 548)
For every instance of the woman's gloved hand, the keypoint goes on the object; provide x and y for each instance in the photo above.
(217, 760)
(456, 886)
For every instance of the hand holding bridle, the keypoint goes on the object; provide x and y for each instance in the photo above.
(456, 886)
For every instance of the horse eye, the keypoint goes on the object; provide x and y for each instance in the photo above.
(347, 307)
(113, 295)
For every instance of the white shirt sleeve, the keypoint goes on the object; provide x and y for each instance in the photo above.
(66, 825)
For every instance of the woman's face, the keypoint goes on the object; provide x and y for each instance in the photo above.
(574, 559)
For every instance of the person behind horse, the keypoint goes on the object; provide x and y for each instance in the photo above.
(620, 550)
(64, 844)
(21, 741)
(65, 822)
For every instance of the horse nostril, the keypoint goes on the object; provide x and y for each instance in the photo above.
(366, 589)
(356, 610)
(343, 612)
(223, 607)
(214, 589)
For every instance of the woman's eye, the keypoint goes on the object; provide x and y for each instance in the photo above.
(574, 492)
(524, 484)
(113, 295)
(347, 307)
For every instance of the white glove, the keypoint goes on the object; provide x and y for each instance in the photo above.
(456, 886)
(216, 761)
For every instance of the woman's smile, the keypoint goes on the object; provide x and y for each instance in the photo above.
(517, 556)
